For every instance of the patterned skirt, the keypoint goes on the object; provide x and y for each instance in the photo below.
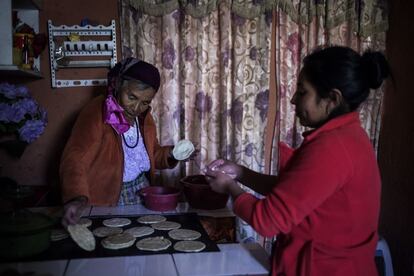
(129, 190)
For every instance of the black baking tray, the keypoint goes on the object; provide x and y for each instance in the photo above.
(68, 249)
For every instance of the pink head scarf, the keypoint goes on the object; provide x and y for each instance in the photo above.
(113, 113)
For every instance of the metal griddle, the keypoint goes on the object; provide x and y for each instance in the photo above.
(68, 249)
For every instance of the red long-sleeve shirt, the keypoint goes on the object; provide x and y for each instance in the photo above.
(325, 205)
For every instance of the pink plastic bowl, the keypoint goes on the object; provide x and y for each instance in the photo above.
(199, 194)
(159, 198)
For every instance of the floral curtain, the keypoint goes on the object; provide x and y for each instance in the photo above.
(299, 27)
(229, 69)
(214, 68)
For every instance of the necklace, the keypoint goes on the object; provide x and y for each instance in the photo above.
(136, 142)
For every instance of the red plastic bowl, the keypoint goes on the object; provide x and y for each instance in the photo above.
(159, 198)
(199, 194)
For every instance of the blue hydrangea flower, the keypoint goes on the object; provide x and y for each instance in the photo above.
(28, 105)
(22, 91)
(7, 90)
(11, 91)
(31, 130)
(6, 112)
(20, 113)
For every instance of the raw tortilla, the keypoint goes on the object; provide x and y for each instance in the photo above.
(85, 222)
(166, 225)
(118, 241)
(116, 222)
(140, 231)
(82, 236)
(154, 243)
(151, 219)
(104, 231)
(184, 234)
(58, 234)
(183, 149)
(189, 246)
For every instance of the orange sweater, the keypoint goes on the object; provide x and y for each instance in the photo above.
(92, 163)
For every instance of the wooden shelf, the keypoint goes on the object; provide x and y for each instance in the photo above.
(28, 12)
(14, 71)
(28, 4)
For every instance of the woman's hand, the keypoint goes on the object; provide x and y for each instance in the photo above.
(192, 157)
(223, 183)
(194, 154)
(227, 167)
(72, 211)
(219, 182)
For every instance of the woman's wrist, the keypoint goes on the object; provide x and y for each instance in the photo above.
(171, 159)
(241, 173)
(83, 200)
(235, 190)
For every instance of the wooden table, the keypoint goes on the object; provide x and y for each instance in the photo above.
(233, 259)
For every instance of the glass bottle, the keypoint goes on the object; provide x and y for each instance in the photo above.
(25, 51)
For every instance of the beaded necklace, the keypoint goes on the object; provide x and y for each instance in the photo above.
(136, 142)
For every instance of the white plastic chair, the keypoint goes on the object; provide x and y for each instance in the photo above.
(383, 251)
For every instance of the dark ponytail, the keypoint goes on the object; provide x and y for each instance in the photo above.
(375, 68)
(342, 68)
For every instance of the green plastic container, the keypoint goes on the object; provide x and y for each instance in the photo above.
(24, 233)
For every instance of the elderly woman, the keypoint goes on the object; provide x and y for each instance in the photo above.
(113, 149)
(324, 204)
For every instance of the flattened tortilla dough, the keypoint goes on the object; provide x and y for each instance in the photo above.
(140, 231)
(58, 234)
(166, 225)
(184, 234)
(149, 219)
(82, 236)
(85, 222)
(118, 241)
(105, 231)
(153, 244)
(183, 149)
(116, 222)
(189, 246)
